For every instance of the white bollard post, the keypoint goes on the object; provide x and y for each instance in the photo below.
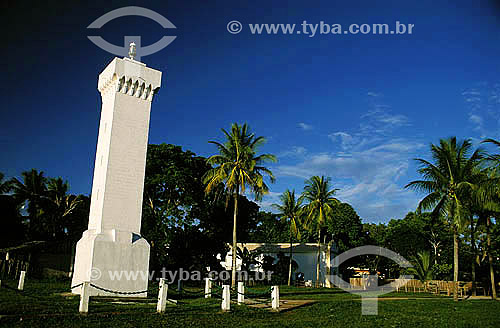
(275, 297)
(179, 286)
(226, 298)
(208, 288)
(162, 296)
(84, 297)
(241, 292)
(20, 286)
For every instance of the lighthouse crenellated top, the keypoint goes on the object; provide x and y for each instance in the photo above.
(130, 77)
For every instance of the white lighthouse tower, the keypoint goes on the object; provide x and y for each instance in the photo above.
(111, 254)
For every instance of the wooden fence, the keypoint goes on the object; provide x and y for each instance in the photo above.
(12, 267)
(416, 286)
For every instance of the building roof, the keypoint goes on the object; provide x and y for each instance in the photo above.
(281, 247)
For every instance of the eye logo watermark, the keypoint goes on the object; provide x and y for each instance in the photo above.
(123, 51)
(369, 295)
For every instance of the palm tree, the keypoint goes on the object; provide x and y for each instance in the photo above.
(495, 158)
(290, 209)
(237, 167)
(33, 190)
(448, 182)
(490, 258)
(422, 267)
(5, 186)
(481, 206)
(248, 258)
(485, 220)
(319, 209)
(62, 203)
(492, 195)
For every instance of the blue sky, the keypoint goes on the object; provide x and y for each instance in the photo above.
(357, 108)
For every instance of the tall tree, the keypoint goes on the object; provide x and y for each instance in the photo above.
(173, 200)
(77, 221)
(10, 218)
(374, 234)
(290, 210)
(219, 213)
(237, 167)
(33, 190)
(494, 158)
(270, 229)
(5, 186)
(61, 205)
(346, 229)
(491, 200)
(319, 209)
(447, 182)
(407, 236)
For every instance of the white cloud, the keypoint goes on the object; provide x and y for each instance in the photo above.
(305, 127)
(394, 119)
(365, 177)
(368, 167)
(358, 165)
(472, 92)
(476, 119)
(380, 119)
(483, 102)
(295, 151)
(345, 138)
(383, 120)
(268, 200)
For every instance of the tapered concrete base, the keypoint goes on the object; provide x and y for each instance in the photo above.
(114, 260)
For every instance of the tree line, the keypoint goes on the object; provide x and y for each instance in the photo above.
(190, 201)
(36, 207)
(461, 188)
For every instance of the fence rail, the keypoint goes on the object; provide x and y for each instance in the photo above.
(416, 286)
(12, 267)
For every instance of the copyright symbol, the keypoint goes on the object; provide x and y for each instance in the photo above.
(95, 274)
(234, 27)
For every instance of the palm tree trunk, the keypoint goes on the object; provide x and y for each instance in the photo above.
(455, 263)
(291, 253)
(473, 264)
(233, 266)
(434, 245)
(490, 260)
(473, 274)
(319, 257)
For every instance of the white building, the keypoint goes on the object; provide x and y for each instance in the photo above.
(305, 254)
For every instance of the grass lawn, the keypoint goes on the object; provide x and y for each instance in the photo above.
(41, 305)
